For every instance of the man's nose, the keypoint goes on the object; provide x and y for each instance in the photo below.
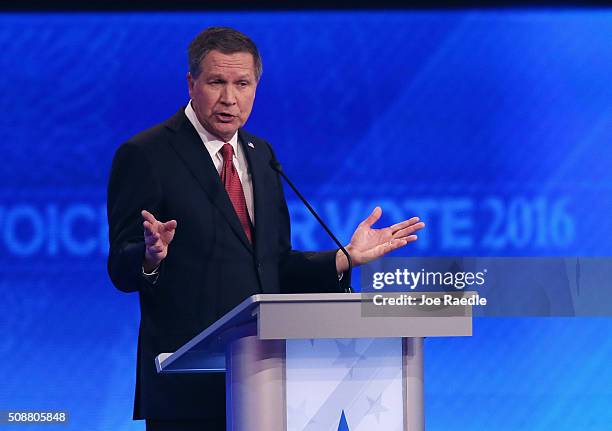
(227, 95)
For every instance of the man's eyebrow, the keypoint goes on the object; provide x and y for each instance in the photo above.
(246, 76)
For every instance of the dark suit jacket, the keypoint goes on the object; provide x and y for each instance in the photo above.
(210, 268)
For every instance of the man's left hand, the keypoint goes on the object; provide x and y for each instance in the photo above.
(368, 244)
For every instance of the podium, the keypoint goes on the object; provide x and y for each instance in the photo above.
(258, 343)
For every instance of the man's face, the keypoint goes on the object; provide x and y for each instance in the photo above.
(223, 94)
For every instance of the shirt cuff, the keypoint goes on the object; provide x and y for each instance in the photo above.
(151, 276)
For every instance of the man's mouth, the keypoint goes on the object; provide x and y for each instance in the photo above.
(224, 116)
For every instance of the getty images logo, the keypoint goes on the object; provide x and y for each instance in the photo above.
(414, 279)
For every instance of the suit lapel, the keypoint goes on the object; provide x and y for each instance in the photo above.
(257, 163)
(192, 152)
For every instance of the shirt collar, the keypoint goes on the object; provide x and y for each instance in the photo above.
(212, 143)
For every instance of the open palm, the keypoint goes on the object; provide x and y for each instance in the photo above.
(368, 243)
(157, 236)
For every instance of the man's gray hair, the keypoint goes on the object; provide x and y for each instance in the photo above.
(225, 40)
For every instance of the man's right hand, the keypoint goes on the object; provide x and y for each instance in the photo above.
(157, 236)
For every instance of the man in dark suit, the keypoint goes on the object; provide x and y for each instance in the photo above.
(226, 232)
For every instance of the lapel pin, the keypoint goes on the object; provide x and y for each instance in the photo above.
(250, 144)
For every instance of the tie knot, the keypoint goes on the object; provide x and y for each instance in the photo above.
(227, 151)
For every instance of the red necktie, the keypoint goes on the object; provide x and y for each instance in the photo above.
(233, 186)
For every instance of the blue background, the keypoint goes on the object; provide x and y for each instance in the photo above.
(493, 126)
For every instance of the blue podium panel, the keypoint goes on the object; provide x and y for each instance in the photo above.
(344, 384)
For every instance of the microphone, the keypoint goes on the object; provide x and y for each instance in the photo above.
(274, 164)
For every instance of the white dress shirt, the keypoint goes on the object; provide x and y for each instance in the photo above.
(213, 146)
